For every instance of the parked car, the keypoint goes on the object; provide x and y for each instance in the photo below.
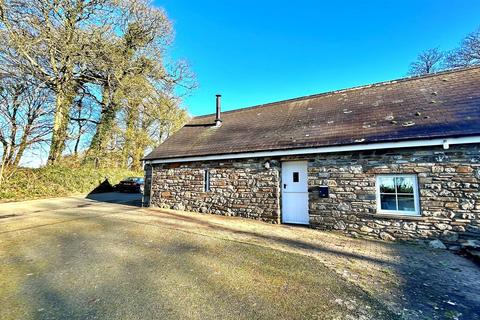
(131, 184)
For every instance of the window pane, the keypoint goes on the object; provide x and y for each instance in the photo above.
(406, 203)
(388, 202)
(295, 177)
(404, 184)
(387, 185)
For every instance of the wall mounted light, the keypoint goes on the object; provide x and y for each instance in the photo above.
(446, 145)
(267, 164)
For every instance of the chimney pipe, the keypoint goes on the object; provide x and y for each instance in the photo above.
(218, 121)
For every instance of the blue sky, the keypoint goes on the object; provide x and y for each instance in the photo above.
(254, 52)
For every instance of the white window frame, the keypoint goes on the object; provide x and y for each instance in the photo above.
(206, 180)
(416, 198)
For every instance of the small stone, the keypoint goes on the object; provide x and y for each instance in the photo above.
(473, 244)
(437, 169)
(451, 205)
(331, 183)
(340, 225)
(454, 248)
(477, 173)
(366, 229)
(464, 169)
(356, 169)
(441, 226)
(450, 236)
(437, 244)
(467, 206)
(473, 229)
(409, 226)
(386, 236)
(445, 193)
(179, 206)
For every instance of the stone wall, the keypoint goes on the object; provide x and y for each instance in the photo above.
(448, 184)
(147, 186)
(237, 188)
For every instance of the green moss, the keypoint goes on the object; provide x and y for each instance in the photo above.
(57, 181)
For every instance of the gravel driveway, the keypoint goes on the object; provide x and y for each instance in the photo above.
(99, 260)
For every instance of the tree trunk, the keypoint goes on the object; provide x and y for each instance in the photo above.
(137, 156)
(22, 145)
(128, 148)
(61, 119)
(77, 144)
(4, 164)
(8, 154)
(135, 138)
(100, 139)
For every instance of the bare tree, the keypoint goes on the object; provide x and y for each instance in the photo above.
(427, 62)
(467, 54)
(25, 117)
(54, 42)
(98, 48)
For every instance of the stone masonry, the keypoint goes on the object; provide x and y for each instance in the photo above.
(237, 188)
(449, 188)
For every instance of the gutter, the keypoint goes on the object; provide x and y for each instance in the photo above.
(445, 142)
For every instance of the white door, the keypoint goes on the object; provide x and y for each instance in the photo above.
(294, 192)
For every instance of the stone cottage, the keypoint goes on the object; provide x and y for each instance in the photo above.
(392, 160)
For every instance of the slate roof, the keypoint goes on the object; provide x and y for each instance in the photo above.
(446, 104)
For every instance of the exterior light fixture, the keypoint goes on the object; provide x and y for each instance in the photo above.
(446, 145)
(267, 164)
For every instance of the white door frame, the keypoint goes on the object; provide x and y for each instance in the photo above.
(294, 186)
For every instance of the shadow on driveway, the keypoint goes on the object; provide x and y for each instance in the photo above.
(131, 199)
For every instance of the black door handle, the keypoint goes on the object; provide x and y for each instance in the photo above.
(284, 186)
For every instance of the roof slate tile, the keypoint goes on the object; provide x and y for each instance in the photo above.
(446, 104)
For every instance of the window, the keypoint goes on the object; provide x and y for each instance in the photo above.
(398, 194)
(296, 178)
(206, 181)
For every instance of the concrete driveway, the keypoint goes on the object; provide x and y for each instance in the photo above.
(35, 206)
(74, 258)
